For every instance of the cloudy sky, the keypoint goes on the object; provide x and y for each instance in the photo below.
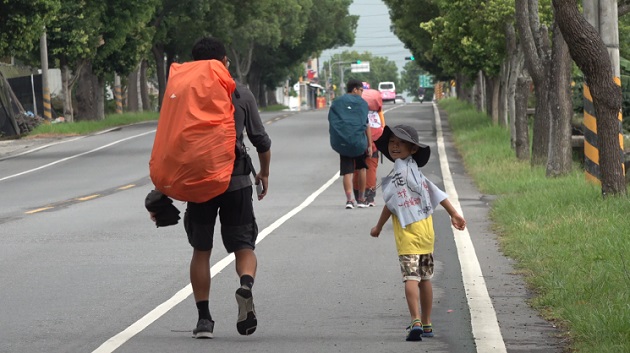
(373, 33)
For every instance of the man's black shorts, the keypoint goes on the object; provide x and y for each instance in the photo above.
(347, 165)
(236, 214)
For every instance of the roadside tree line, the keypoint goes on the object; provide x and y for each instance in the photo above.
(92, 41)
(497, 49)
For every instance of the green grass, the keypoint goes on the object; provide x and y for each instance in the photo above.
(274, 108)
(572, 245)
(90, 126)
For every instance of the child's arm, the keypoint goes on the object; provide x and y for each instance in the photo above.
(456, 219)
(385, 214)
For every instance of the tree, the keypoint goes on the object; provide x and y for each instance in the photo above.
(22, 23)
(560, 155)
(381, 69)
(406, 17)
(537, 48)
(409, 77)
(73, 37)
(264, 23)
(469, 38)
(125, 38)
(274, 65)
(178, 24)
(590, 54)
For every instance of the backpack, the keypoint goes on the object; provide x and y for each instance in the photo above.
(347, 120)
(375, 115)
(194, 148)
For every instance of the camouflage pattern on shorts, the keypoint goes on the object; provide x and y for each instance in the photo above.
(416, 267)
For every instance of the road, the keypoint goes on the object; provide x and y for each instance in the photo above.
(83, 269)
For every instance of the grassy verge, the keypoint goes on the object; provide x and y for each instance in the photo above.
(90, 126)
(572, 245)
(274, 108)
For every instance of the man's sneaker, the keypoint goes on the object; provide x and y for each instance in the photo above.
(369, 197)
(204, 329)
(246, 322)
(349, 205)
(362, 203)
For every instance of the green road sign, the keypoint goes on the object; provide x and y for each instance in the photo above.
(425, 81)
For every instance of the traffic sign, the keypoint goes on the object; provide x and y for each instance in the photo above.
(425, 81)
(362, 67)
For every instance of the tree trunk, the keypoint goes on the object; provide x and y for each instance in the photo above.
(132, 91)
(515, 69)
(560, 154)
(271, 97)
(464, 90)
(521, 143)
(503, 92)
(158, 56)
(68, 112)
(494, 99)
(480, 90)
(87, 86)
(254, 85)
(144, 87)
(243, 60)
(99, 98)
(536, 46)
(590, 53)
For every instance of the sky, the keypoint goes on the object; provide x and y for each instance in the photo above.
(373, 34)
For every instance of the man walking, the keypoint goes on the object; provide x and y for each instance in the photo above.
(234, 208)
(350, 136)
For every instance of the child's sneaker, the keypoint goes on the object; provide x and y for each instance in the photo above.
(362, 203)
(427, 330)
(415, 331)
(349, 205)
(204, 329)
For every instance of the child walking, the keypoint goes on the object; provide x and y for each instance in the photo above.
(410, 199)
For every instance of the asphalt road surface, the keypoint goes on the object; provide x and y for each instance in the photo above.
(83, 269)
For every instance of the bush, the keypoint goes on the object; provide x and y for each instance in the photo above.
(27, 122)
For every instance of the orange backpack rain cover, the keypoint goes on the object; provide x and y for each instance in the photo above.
(194, 148)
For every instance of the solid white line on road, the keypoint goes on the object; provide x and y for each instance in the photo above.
(42, 147)
(75, 156)
(115, 342)
(485, 326)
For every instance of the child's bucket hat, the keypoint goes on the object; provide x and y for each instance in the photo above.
(405, 133)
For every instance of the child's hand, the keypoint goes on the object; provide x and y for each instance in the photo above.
(458, 222)
(375, 232)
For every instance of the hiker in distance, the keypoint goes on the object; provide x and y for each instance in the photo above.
(350, 136)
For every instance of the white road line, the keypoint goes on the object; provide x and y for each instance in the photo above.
(115, 342)
(75, 156)
(42, 147)
(485, 326)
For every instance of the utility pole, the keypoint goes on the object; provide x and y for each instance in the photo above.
(603, 16)
(118, 94)
(342, 85)
(43, 52)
